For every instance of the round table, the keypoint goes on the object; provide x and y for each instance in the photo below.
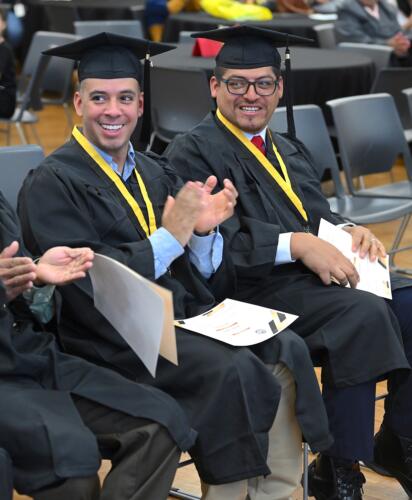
(318, 74)
(294, 24)
(59, 15)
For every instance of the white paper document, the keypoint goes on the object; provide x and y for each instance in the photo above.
(141, 311)
(237, 323)
(374, 276)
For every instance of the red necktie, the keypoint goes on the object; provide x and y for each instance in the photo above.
(259, 143)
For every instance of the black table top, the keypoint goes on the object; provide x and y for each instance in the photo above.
(95, 4)
(303, 59)
(318, 74)
(295, 24)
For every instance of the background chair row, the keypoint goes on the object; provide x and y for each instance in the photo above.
(365, 148)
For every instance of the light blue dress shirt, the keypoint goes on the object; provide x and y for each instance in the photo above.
(205, 252)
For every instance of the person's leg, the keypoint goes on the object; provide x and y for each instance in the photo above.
(79, 488)
(230, 491)
(285, 446)
(398, 403)
(393, 443)
(351, 411)
(144, 457)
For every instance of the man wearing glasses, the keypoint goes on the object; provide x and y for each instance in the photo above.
(280, 262)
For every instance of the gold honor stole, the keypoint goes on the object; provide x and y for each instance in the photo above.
(284, 183)
(107, 169)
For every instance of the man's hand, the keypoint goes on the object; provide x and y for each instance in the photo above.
(364, 241)
(62, 265)
(16, 273)
(400, 44)
(180, 214)
(323, 259)
(217, 207)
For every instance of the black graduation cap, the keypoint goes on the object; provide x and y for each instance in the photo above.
(109, 56)
(247, 47)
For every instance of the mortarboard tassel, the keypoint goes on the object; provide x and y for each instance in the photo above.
(289, 92)
(147, 123)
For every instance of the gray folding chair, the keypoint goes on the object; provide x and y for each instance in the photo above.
(15, 164)
(380, 54)
(370, 138)
(326, 35)
(408, 95)
(311, 129)
(30, 102)
(174, 111)
(393, 81)
(129, 27)
(57, 82)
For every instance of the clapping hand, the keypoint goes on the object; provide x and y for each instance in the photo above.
(217, 207)
(62, 265)
(16, 273)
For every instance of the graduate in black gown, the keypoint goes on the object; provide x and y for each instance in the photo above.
(132, 207)
(279, 262)
(60, 414)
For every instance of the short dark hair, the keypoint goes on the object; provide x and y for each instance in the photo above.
(220, 70)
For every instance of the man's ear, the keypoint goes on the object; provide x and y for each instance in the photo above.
(214, 84)
(280, 87)
(140, 104)
(77, 101)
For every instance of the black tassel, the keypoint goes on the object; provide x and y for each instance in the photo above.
(147, 123)
(289, 93)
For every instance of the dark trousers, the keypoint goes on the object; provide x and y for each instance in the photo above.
(144, 458)
(351, 409)
(6, 476)
(351, 414)
(398, 403)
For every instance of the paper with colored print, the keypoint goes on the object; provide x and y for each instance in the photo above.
(237, 323)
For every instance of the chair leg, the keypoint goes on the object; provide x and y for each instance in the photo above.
(178, 493)
(305, 470)
(20, 131)
(8, 134)
(36, 135)
(395, 246)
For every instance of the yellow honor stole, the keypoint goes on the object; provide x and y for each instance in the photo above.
(283, 182)
(148, 228)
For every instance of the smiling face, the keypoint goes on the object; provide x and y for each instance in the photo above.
(249, 112)
(109, 110)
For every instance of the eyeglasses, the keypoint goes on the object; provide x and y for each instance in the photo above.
(240, 86)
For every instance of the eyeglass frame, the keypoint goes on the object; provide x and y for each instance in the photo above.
(249, 83)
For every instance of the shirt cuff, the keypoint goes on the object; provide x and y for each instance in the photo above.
(206, 252)
(165, 248)
(283, 254)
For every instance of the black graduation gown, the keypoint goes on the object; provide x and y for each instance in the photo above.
(338, 324)
(6, 476)
(228, 394)
(40, 427)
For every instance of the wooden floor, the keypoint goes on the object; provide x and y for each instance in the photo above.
(53, 130)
